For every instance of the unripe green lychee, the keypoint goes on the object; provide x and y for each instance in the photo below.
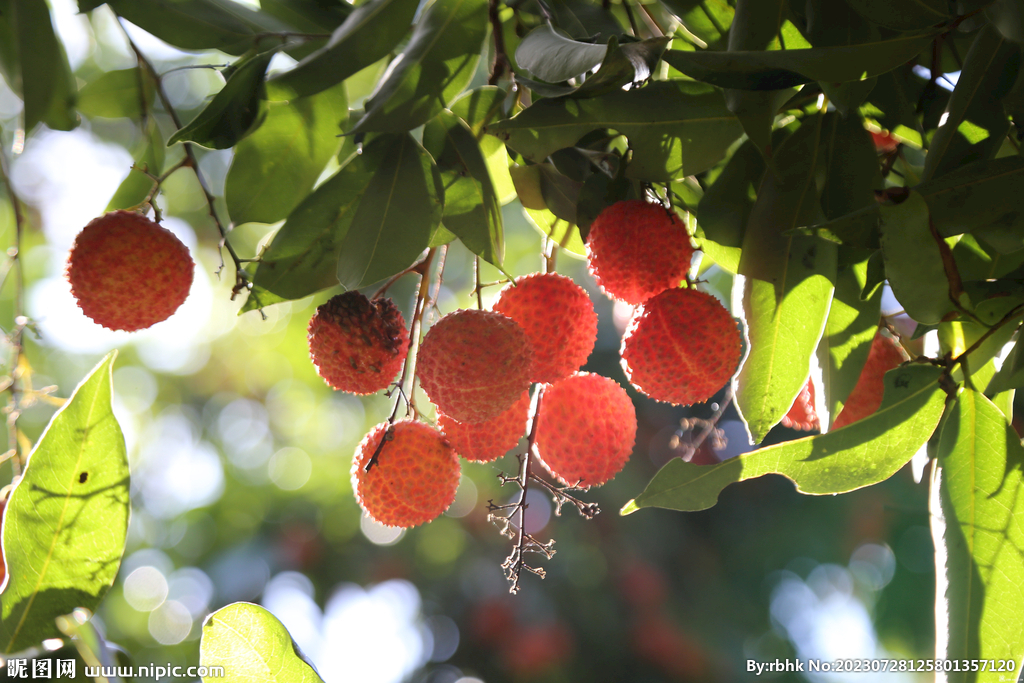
(866, 397)
(637, 250)
(558, 318)
(586, 429)
(414, 479)
(681, 347)
(358, 345)
(474, 364)
(487, 441)
(127, 272)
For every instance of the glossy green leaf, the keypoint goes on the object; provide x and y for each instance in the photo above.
(920, 283)
(583, 19)
(851, 325)
(303, 256)
(471, 208)
(777, 69)
(709, 20)
(974, 123)
(224, 25)
(124, 93)
(851, 167)
(435, 66)
(978, 261)
(981, 498)
(624, 63)
(1010, 375)
(724, 210)
(233, 112)
(66, 521)
(563, 233)
(250, 644)
(599, 191)
(46, 83)
(674, 128)
(477, 108)
(276, 166)
(552, 56)
(396, 215)
(903, 15)
(787, 284)
(369, 34)
(858, 455)
(311, 16)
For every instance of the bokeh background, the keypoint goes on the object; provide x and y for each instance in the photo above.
(240, 475)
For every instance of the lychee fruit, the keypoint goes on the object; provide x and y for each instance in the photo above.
(474, 364)
(358, 345)
(866, 397)
(637, 250)
(558, 318)
(414, 479)
(802, 415)
(681, 347)
(487, 441)
(127, 272)
(586, 429)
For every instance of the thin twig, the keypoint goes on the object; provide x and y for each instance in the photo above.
(241, 278)
(477, 289)
(501, 64)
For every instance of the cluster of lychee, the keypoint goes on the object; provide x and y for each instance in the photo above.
(477, 367)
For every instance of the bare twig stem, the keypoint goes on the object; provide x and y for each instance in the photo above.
(501, 65)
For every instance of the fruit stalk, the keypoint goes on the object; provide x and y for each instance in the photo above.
(241, 278)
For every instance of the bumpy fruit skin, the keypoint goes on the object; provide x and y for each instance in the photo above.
(681, 347)
(358, 345)
(474, 364)
(558, 318)
(884, 355)
(802, 416)
(414, 479)
(637, 250)
(586, 429)
(127, 272)
(487, 441)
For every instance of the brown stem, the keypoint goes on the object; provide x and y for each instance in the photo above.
(501, 64)
(241, 278)
(476, 276)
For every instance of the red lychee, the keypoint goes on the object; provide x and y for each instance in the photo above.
(637, 250)
(358, 345)
(866, 397)
(558, 318)
(802, 415)
(681, 347)
(586, 429)
(414, 479)
(487, 441)
(474, 364)
(127, 272)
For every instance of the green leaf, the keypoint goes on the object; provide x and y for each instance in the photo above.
(851, 325)
(599, 191)
(1011, 375)
(977, 261)
(1008, 17)
(981, 498)
(563, 233)
(903, 15)
(787, 284)
(918, 283)
(858, 455)
(303, 256)
(276, 166)
(370, 33)
(974, 123)
(126, 93)
(471, 208)
(65, 523)
(477, 108)
(551, 56)
(202, 24)
(624, 63)
(777, 69)
(851, 167)
(674, 128)
(311, 16)
(724, 210)
(709, 20)
(250, 644)
(397, 213)
(582, 19)
(46, 83)
(233, 112)
(436, 65)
